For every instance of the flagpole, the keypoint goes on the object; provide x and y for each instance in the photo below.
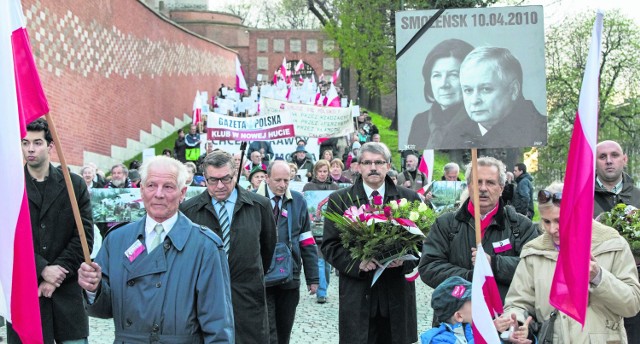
(476, 197)
(72, 195)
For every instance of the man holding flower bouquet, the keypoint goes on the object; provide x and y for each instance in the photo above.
(384, 312)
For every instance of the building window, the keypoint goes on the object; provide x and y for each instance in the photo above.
(295, 45)
(328, 46)
(263, 45)
(312, 46)
(327, 63)
(263, 63)
(278, 45)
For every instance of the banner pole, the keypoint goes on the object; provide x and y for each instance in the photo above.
(476, 196)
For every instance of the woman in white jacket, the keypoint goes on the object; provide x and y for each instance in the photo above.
(614, 291)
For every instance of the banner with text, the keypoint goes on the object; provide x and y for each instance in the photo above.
(260, 128)
(310, 120)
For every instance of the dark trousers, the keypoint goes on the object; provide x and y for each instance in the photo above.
(281, 304)
(379, 330)
(632, 325)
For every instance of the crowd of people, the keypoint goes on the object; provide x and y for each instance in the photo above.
(222, 243)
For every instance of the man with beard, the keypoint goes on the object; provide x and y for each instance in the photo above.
(119, 177)
(412, 178)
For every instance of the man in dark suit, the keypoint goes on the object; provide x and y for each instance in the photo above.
(386, 311)
(58, 251)
(244, 221)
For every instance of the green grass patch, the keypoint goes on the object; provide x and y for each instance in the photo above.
(167, 142)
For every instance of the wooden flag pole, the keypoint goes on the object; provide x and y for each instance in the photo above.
(72, 195)
(476, 196)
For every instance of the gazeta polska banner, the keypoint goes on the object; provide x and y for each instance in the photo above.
(311, 120)
(259, 128)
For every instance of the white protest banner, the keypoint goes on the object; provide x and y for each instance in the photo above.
(309, 120)
(282, 148)
(260, 128)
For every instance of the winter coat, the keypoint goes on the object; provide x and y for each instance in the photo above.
(357, 296)
(180, 149)
(617, 295)
(447, 249)
(523, 196)
(253, 241)
(431, 128)
(417, 183)
(159, 295)
(56, 242)
(303, 247)
(605, 200)
(443, 334)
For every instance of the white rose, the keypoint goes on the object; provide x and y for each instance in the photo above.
(422, 207)
(403, 203)
(393, 204)
(414, 216)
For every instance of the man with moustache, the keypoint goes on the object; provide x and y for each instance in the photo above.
(412, 178)
(244, 221)
(449, 249)
(385, 312)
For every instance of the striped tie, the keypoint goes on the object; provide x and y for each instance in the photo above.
(156, 240)
(223, 217)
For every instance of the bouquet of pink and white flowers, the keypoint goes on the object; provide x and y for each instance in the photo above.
(383, 232)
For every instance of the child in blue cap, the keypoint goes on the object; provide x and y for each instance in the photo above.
(451, 303)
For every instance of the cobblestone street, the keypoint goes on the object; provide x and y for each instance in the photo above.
(315, 323)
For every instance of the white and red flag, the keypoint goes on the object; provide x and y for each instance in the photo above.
(335, 76)
(299, 66)
(283, 68)
(22, 100)
(333, 98)
(485, 300)
(241, 83)
(197, 109)
(306, 239)
(426, 167)
(570, 286)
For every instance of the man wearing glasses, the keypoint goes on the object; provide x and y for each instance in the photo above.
(386, 312)
(244, 221)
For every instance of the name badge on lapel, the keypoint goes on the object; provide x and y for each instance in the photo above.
(284, 213)
(134, 250)
(501, 246)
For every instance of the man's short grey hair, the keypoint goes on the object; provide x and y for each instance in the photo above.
(375, 148)
(277, 162)
(392, 173)
(164, 161)
(452, 166)
(87, 168)
(124, 169)
(488, 161)
(218, 159)
(506, 66)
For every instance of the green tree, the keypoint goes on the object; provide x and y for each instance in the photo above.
(566, 53)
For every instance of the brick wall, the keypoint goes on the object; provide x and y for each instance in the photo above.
(114, 68)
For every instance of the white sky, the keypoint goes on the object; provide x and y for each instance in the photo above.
(555, 10)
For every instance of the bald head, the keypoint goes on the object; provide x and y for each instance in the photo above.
(278, 177)
(610, 163)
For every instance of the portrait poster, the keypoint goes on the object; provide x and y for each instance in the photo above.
(474, 79)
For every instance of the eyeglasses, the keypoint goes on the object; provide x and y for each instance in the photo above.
(214, 181)
(378, 163)
(545, 196)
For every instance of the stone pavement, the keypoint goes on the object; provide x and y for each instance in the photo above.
(315, 323)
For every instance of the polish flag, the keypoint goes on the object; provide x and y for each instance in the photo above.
(241, 83)
(318, 95)
(333, 99)
(570, 286)
(485, 300)
(321, 78)
(22, 100)
(283, 68)
(425, 161)
(197, 108)
(299, 66)
(275, 77)
(335, 76)
(307, 239)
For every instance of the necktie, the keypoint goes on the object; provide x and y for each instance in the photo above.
(374, 194)
(276, 208)
(223, 217)
(157, 239)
